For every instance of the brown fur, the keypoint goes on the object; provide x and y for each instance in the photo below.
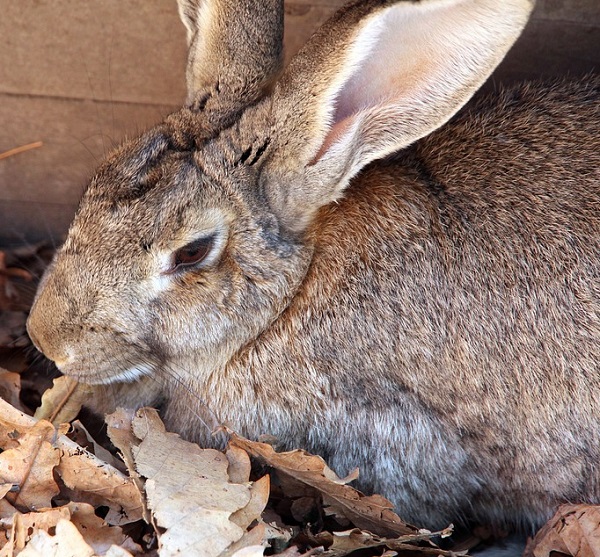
(433, 320)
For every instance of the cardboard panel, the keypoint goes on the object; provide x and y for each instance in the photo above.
(107, 50)
(552, 48)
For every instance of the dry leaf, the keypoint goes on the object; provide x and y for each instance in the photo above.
(253, 538)
(276, 531)
(573, 530)
(89, 479)
(189, 491)
(10, 388)
(373, 513)
(293, 551)
(63, 401)
(116, 551)
(239, 465)
(6, 513)
(31, 465)
(82, 437)
(238, 471)
(120, 432)
(96, 533)
(250, 551)
(26, 524)
(5, 488)
(339, 544)
(67, 541)
(92, 481)
(259, 497)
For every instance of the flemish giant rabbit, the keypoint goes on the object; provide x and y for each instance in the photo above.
(431, 317)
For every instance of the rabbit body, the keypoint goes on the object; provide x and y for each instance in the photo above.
(435, 323)
(445, 339)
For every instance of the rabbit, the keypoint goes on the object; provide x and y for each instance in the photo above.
(340, 254)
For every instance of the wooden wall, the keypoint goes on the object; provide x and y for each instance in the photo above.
(80, 76)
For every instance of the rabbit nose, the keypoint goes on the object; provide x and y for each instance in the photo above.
(45, 338)
(36, 332)
(32, 337)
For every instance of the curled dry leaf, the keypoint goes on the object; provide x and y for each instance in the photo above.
(373, 513)
(82, 436)
(573, 530)
(239, 465)
(259, 496)
(87, 477)
(120, 432)
(339, 544)
(190, 493)
(63, 401)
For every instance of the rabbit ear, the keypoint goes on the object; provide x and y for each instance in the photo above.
(235, 47)
(375, 78)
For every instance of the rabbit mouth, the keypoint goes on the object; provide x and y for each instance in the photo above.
(130, 374)
(108, 376)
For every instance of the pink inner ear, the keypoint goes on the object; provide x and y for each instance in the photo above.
(362, 91)
(335, 132)
(405, 70)
(374, 81)
(366, 89)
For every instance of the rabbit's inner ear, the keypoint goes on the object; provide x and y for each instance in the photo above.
(414, 66)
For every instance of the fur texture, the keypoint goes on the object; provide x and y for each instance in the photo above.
(433, 319)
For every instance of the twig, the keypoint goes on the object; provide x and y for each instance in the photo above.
(20, 149)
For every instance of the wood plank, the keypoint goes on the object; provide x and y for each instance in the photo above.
(106, 50)
(75, 136)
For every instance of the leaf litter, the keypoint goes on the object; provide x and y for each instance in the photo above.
(142, 490)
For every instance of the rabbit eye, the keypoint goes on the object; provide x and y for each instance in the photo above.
(193, 253)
